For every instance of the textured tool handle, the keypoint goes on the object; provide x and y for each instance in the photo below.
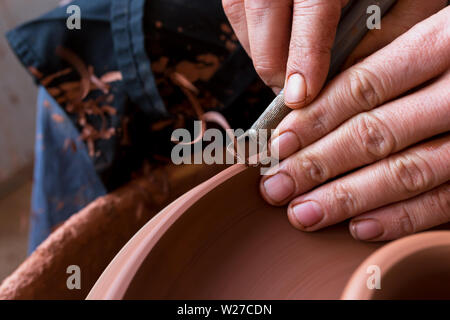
(273, 114)
(351, 30)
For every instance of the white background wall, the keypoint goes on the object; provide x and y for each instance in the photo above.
(17, 92)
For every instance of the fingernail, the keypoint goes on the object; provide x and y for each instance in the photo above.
(308, 213)
(285, 144)
(295, 91)
(366, 229)
(279, 187)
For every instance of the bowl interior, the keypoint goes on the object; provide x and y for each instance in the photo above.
(232, 245)
(425, 274)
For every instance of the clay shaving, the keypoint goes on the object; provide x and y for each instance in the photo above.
(73, 95)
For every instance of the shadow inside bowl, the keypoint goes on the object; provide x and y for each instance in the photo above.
(232, 245)
(423, 275)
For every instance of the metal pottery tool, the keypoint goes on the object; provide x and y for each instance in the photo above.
(351, 29)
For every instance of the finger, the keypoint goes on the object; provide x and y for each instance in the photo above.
(394, 179)
(364, 139)
(269, 28)
(235, 12)
(398, 220)
(414, 58)
(397, 21)
(313, 30)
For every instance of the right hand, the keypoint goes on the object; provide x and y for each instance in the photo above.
(290, 41)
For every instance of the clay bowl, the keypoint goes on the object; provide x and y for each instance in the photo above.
(416, 267)
(222, 241)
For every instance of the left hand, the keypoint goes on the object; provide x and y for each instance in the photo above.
(382, 128)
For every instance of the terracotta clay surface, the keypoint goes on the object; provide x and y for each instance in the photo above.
(415, 267)
(92, 237)
(222, 241)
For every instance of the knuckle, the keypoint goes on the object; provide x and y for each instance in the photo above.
(318, 120)
(407, 221)
(343, 200)
(257, 5)
(264, 70)
(411, 173)
(364, 88)
(374, 137)
(313, 169)
(306, 47)
(314, 7)
(315, 121)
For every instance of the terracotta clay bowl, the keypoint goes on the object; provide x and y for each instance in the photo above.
(222, 241)
(415, 267)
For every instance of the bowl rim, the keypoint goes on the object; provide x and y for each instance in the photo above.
(390, 255)
(116, 278)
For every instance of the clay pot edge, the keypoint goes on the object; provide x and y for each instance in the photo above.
(117, 276)
(389, 255)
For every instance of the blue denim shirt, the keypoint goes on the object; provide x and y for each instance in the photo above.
(114, 36)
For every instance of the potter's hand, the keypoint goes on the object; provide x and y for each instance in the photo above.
(382, 127)
(289, 42)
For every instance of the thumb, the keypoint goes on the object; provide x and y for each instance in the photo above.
(314, 27)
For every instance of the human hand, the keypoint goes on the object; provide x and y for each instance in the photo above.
(289, 42)
(381, 131)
